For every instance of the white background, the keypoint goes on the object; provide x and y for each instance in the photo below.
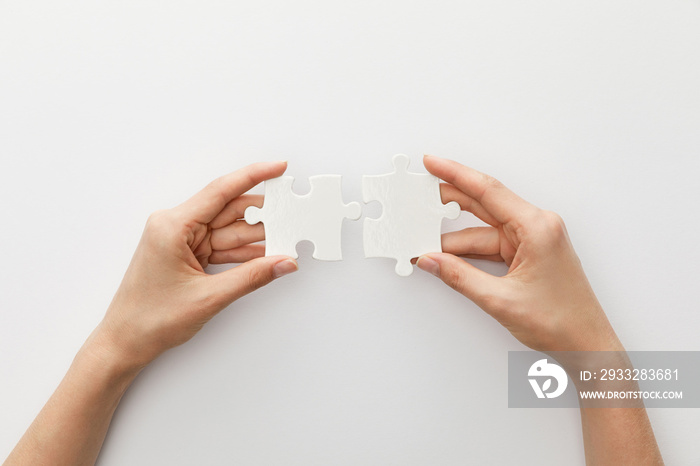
(110, 110)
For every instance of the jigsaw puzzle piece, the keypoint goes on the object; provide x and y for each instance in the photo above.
(411, 220)
(316, 216)
(325, 226)
(275, 215)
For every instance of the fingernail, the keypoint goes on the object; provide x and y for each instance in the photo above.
(429, 265)
(284, 267)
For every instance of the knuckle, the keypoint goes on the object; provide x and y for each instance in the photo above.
(217, 197)
(235, 237)
(495, 304)
(216, 184)
(226, 238)
(552, 226)
(553, 219)
(453, 277)
(162, 225)
(252, 177)
(158, 220)
(490, 182)
(209, 299)
(257, 277)
(156, 216)
(240, 203)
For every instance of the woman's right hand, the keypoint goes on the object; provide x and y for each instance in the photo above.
(545, 299)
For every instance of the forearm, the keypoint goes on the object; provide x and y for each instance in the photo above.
(72, 425)
(615, 435)
(619, 436)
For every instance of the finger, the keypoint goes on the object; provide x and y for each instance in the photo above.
(449, 193)
(235, 209)
(203, 250)
(237, 255)
(484, 289)
(234, 283)
(483, 241)
(503, 204)
(491, 258)
(237, 234)
(206, 204)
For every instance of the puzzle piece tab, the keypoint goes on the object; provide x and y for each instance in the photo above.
(317, 216)
(412, 214)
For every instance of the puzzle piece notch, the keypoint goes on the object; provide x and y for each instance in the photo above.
(412, 213)
(316, 216)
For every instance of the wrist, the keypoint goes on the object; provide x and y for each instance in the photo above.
(102, 350)
(590, 331)
(596, 347)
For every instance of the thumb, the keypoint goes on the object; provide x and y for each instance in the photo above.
(482, 288)
(249, 276)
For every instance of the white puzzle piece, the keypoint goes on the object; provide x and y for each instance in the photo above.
(411, 220)
(317, 216)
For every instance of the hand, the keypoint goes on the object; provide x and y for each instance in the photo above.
(165, 296)
(545, 299)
